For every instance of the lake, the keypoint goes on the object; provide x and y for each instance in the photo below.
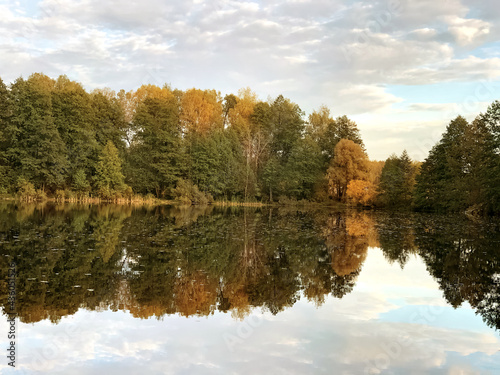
(205, 290)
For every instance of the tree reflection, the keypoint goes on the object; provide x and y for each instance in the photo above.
(462, 256)
(153, 261)
(397, 237)
(58, 267)
(347, 238)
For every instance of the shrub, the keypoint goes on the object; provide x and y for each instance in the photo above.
(69, 194)
(128, 192)
(284, 200)
(104, 192)
(26, 189)
(80, 183)
(188, 193)
(60, 195)
(149, 197)
(40, 195)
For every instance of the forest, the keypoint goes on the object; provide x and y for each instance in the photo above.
(59, 141)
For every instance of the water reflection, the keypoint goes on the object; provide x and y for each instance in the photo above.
(462, 255)
(157, 261)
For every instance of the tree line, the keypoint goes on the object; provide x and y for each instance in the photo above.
(196, 146)
(190, 145)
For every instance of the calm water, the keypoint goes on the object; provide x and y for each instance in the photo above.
(162, 290)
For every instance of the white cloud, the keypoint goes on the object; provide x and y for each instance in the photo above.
(363, 98)
(341, 53)
(467, 31)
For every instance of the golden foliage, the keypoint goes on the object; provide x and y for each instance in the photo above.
(362, 192)
(41, 82)
(239, 116)
(362, 225)
(201, 111)
(195, 294)
(375, 171)
(348, 239)
(350, 162)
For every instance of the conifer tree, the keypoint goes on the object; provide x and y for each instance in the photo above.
(109, 178)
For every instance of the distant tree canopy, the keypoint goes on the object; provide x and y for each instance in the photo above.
(162, 141)
(397, 181)
(196, 145)
(462, 169)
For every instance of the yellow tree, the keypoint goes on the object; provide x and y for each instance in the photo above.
(152, 92)
(349, 163)
(362, 192)
(201, 111)
(348, 237)
(195, 294)
(240, 114)
(366, 192)
(375, 171)
(240, 118)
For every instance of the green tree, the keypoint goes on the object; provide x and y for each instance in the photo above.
(80, 183)
(327, 132)
(303, 169)
(218, 164)
(6, 173)
(440, 184)
(230, 102)
(491, 120)
(109, 178)
(285, 126)
(72, 112)
(108, 119)
(36, 149)
(281, 126)
(271, 176)
(431, 181)
(155, 157)
(397, 181)
(345, 128)
(459, 170)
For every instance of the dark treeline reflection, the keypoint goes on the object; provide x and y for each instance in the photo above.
(157, 260)
(162, 260)
(462, 255)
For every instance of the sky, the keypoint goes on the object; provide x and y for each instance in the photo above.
(401, 69)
